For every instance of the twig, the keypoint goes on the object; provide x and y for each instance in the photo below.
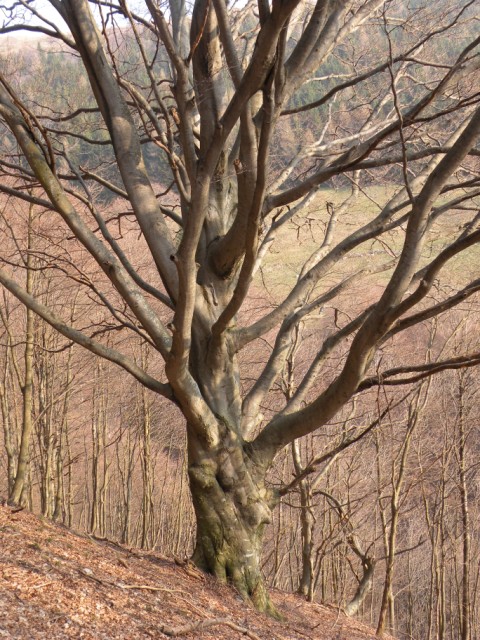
(121, 547)
(42, 584)
(119, 585)
(94, 578)
(205, 624)
(146, 587)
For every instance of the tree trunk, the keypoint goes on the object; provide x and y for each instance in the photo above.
(364, 587)
(465, 535)
(17, 494)
(306, 586)
(232, 507)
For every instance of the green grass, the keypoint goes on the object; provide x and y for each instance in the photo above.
(304, 234)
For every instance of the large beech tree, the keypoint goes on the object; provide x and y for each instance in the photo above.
(216, 98)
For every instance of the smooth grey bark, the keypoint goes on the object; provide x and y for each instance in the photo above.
(465, 606)
(23, 461)
(8, 421)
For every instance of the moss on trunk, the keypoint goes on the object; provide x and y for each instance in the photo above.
(232, 510)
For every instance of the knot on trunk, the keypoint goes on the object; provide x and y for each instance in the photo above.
(202, 475)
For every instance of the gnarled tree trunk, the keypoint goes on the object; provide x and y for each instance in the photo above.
(232, 507)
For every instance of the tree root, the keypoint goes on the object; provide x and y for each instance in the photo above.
(205, 624)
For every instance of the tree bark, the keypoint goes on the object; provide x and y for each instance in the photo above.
(465, 535)
(232, 507)
(17, 492)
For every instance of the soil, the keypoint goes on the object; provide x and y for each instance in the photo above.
(55, 584)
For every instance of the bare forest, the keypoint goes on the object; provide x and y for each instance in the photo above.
(239, 292)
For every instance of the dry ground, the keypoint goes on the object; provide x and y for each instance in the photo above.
(56, 584)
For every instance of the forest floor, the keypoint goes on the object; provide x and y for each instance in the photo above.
(55, 583)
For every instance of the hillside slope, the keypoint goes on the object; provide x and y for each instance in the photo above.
(56, 584)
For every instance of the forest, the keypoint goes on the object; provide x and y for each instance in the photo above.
(239, 301)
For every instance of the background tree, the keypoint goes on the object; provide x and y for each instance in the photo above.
(207, 94)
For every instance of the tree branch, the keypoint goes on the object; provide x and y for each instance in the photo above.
(83, 340)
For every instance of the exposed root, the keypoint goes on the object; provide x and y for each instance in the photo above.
(205, 624)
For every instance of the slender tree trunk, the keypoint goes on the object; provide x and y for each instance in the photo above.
(387, 607)
(9, 432)
(306, 586)
(126, 464)
(60, 503)
(147, 484)
(100, 465)
(465, 604)
(19, 485)
(307, 522)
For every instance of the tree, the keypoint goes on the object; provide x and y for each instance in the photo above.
(209, 92)
(27, 423)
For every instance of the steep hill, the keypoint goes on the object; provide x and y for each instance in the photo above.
(55, 583)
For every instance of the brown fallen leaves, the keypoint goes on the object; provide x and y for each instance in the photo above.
(56, 584)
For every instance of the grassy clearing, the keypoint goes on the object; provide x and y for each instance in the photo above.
(305, 233)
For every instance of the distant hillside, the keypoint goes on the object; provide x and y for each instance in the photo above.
(13, 44)
(56, 584)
